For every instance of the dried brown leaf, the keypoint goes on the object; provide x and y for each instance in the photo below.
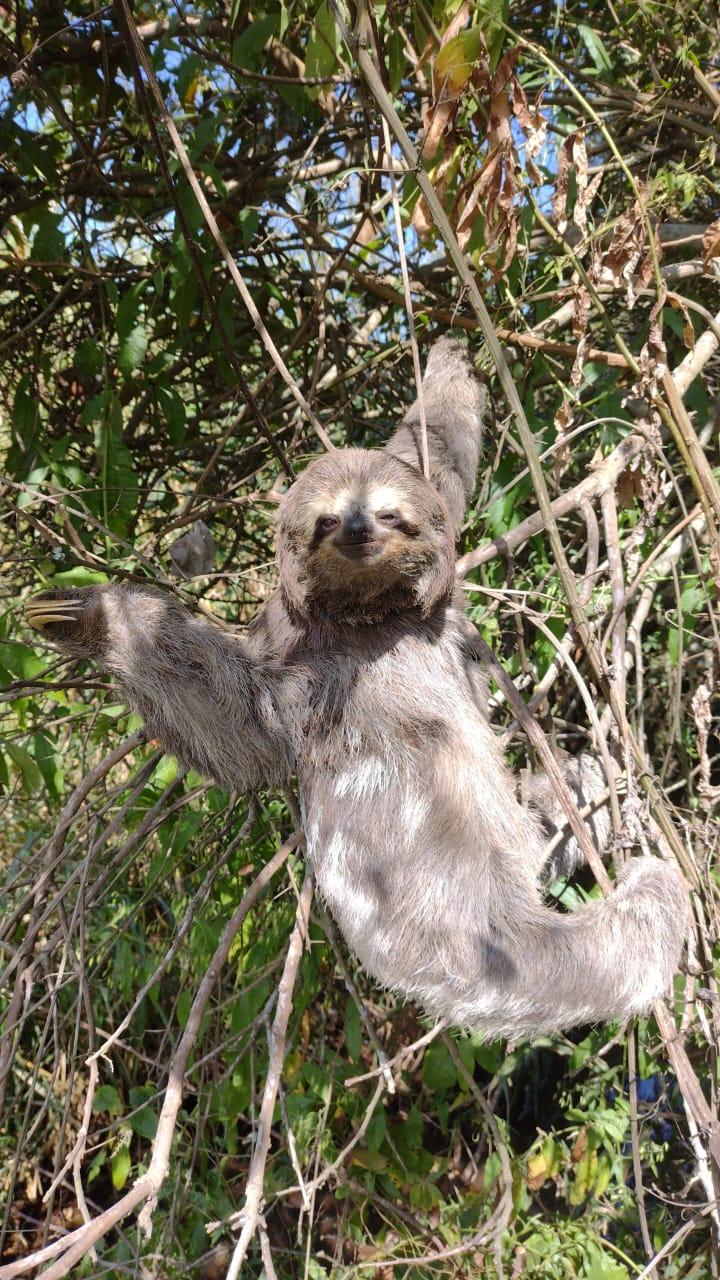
(711, 242)
(561, 184)
(533, 124)
(704, 723)
(678, 304)
(628, 259)
(580, 165)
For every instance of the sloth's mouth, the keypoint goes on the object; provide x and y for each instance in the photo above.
(359, 550)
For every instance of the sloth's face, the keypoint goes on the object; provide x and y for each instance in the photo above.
(364, 523)
(359, 526)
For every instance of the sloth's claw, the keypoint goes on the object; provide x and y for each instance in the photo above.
(40, 613)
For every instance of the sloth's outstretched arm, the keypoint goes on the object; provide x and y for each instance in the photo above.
(205, 695)
(454, 406)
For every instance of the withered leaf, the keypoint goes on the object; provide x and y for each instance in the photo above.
(534, 125)
(561, 183)
(451, 59)
(711, 242)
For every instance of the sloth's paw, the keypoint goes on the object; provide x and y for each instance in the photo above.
(70, 616)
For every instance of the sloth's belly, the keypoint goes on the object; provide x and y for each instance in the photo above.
(406, 859)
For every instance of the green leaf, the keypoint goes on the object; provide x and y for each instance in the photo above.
(119, 482)
(89, 358)
(126, 312)
(596, 49)
(353, 1030)
(172, 409)
(49, 241)
(107, 1099)
(25, 409)
(120, 1166)
(248, 220)
(438, 1071)
(48, 762)
(491, 14)
(24, 763)
(36, 156)
(145, 1120)
(396, 59)
(96, 1165)
(375, 1132)
(78, 577)
(692, 598)
(249, 47)
(132, 349)
(33, 481)
(183, 1007)
(322, 47)
(455, 61)
(20, 661)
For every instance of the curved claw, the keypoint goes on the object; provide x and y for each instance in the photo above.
(40, 613)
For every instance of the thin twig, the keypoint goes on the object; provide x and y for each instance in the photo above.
(251, 1213)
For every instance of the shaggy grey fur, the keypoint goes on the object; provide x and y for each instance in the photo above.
(357, 678)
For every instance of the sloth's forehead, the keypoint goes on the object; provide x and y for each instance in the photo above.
(369, 496)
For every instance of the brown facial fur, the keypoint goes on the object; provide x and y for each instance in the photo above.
(413, 564)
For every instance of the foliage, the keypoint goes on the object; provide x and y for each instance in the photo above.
(573, 148)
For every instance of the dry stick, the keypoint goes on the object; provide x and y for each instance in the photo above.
(617, 586)
(54, 847)
(602, 478)
(696, 359)
(251, 1214)
(78, 1243)
(214, 229)
(330, 931)
(691, 450)
(401, 1056)
(408, 302)
(534, 340)
(536, 736)
(266, 1255)
(635, 1140)
(325, 1174)
(649, 1271)
(705, 1118)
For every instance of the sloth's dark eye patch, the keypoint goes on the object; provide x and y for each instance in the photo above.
(326, 524)
(388, 517)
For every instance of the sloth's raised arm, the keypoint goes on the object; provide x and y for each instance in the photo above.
(205, 695)
(454, 402)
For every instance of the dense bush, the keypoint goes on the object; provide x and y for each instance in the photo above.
(573, 149)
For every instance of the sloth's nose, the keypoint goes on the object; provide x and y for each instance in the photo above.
(356, 527)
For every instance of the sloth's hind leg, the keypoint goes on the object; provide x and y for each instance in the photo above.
(586, 779)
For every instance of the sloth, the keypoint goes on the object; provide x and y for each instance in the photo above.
(358, 678)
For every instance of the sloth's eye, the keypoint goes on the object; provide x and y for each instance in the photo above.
(327, 523)
(388, 517)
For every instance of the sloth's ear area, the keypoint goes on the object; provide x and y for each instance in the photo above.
(291, 543)
(288, 563)
(436, 582)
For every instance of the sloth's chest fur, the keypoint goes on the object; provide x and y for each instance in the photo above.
(409, 811)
